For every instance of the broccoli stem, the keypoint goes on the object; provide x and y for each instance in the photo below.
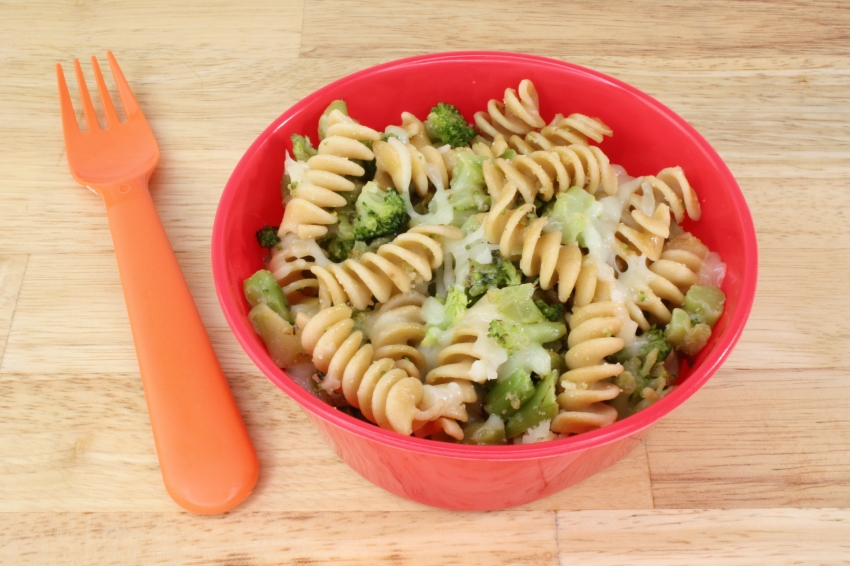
(540, 407)
(277, 334)
(491, 431)
(705, 303)
(508, 395)
(686, 337)
(262, 288)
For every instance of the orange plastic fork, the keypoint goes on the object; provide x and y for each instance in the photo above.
(206, 457)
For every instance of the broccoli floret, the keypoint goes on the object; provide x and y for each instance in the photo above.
(553, 313)
(456, 303)
(643, 345)
(340, 238)
(379, 213)
(302, 148)
(445, 124)
(467, 194)
(453, 310)
(523, 330)
(570, 213)
(267, 236)
(337, 247)
(515, 337)
(497, 274)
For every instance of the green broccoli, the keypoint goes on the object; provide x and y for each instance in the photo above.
(487, 433)
(267, 236)
(302, 149)
(262, 287)
(705, 303)
(523, 330)
(570, 213)
(643, 345)
(445, 124)
(690, 328)
(340, 238)
(454, 307)
(337, 247)
(553, 313)
(508, 395)
(515, 337)
(516, 303)
(540, 407)
(456, 303)
(497, 274)
(379, 213)
(467, 194)
(684, 335)
(641, 370)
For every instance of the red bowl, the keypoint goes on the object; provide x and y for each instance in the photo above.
(647, 137)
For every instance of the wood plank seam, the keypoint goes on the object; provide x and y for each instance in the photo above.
(17, 296)
(558, 537)
(649, 470)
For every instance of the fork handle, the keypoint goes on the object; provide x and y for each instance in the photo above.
(206, 457)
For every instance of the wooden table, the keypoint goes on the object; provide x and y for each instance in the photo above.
(754, 469)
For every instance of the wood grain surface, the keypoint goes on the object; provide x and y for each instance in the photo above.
(754, 469)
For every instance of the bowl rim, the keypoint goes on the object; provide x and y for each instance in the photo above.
(578, 443)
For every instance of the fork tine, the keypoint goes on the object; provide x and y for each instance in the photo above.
(108, 108)
(127, 98)
(88, 107)
(69, 119)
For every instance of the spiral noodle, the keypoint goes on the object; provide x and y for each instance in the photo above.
(575, 129)
(384, 392)
(545, 174)
(518, 113)
(399, 164)
(455, 361)
(409, 259)
(642, 235)
(679, 265)
(538, 253)
(395, 331)
(325, 177)
(291, 261)
(593, 330)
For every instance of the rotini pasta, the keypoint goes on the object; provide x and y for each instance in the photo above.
(593, 337)
(395, 268)
(291, 262)
(509, 287)
(518, 113)
(385, 393)
(325, 176)
(538, 253)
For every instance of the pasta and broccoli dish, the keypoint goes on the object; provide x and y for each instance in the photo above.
(495, 283)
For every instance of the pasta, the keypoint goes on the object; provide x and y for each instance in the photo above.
(504, 285)
(394, 268)
(324, 177)
(539, 254)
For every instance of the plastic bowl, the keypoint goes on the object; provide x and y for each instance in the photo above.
(647, 137)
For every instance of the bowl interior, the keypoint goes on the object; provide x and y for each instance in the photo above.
(647, 138)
